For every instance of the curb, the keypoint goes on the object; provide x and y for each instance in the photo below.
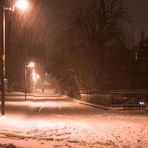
(103, 107)
(97, 106)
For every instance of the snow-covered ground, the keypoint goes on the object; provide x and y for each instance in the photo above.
(65, 123)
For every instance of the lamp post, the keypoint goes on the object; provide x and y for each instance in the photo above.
(22, 4)
(30, 65)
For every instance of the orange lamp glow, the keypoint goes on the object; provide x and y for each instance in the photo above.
(22, 4)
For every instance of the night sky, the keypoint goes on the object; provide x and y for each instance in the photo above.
(138, 10)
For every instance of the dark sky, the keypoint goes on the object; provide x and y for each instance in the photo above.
(138, 10)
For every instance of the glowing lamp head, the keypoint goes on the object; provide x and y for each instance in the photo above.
(22, 4)
(31, 65)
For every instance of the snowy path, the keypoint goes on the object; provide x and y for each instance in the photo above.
(65, 123)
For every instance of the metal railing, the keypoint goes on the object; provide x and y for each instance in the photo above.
(128, 99)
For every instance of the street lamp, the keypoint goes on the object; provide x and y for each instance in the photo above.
(21, 4)
(30, 65)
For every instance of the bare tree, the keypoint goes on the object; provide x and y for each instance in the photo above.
(100, 24)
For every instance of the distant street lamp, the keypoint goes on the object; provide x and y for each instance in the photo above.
(35, 78)
(21, 4)
(30, 65)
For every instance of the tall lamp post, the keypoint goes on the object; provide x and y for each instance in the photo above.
(30, 65)
(21, 4)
